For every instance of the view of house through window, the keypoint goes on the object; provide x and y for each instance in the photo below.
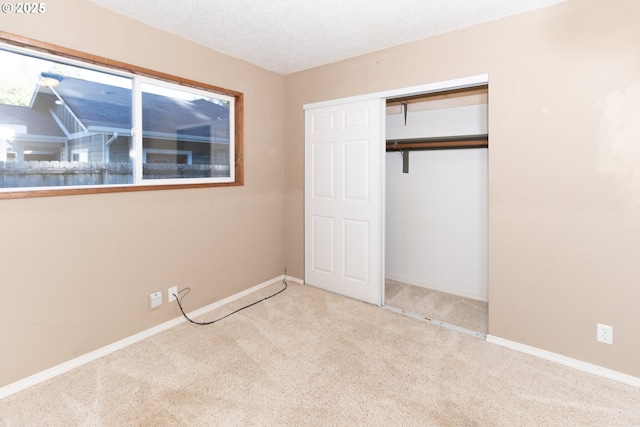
(187, 135)
(64, 124)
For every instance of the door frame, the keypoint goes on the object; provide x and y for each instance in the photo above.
(441, 86)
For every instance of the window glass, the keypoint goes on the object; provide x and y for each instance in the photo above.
(186, 134)
(62, 125)
(69, 123)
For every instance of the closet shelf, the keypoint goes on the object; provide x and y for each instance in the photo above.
(438, 143)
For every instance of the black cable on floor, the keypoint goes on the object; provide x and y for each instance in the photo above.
(179, 301)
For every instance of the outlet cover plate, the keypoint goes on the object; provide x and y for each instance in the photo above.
(171, 292)
(605, 333)
(155, 300)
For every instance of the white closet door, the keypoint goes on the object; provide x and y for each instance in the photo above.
(343, 188)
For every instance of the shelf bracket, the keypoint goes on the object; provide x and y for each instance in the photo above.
(405, 108)
(405, 161)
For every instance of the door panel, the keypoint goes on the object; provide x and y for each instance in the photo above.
(323, 170)
(356, 250)
(356, 170)
(343, 158)
(323, 234)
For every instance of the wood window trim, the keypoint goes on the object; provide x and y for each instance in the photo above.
(25, 42)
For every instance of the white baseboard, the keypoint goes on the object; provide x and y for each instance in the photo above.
(118, 345)
(439, 288)
(291, 279)
(567, 361)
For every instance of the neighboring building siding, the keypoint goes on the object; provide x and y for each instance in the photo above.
(93, 143)
(119, 150)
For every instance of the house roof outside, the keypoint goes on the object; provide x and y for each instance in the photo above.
(107, 106)
(36, 122)
(102, 106)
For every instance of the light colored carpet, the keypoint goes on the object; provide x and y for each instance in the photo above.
(311, 358)
(456, 310)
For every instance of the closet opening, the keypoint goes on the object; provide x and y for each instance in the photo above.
(436, 208)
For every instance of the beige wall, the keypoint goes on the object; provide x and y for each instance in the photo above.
(564, 187)
(77, 270)
(564, 174)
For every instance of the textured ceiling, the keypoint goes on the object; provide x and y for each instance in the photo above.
(292, 35)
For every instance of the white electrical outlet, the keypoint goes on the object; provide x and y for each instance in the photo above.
(605, 333)
(171, 292)
(155, 300)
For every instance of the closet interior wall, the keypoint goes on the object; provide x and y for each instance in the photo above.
(436, 194)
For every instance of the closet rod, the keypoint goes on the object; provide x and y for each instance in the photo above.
(473, 141)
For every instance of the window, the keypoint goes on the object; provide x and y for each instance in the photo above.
(71, 126)
(80, 155)
(184, 131)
